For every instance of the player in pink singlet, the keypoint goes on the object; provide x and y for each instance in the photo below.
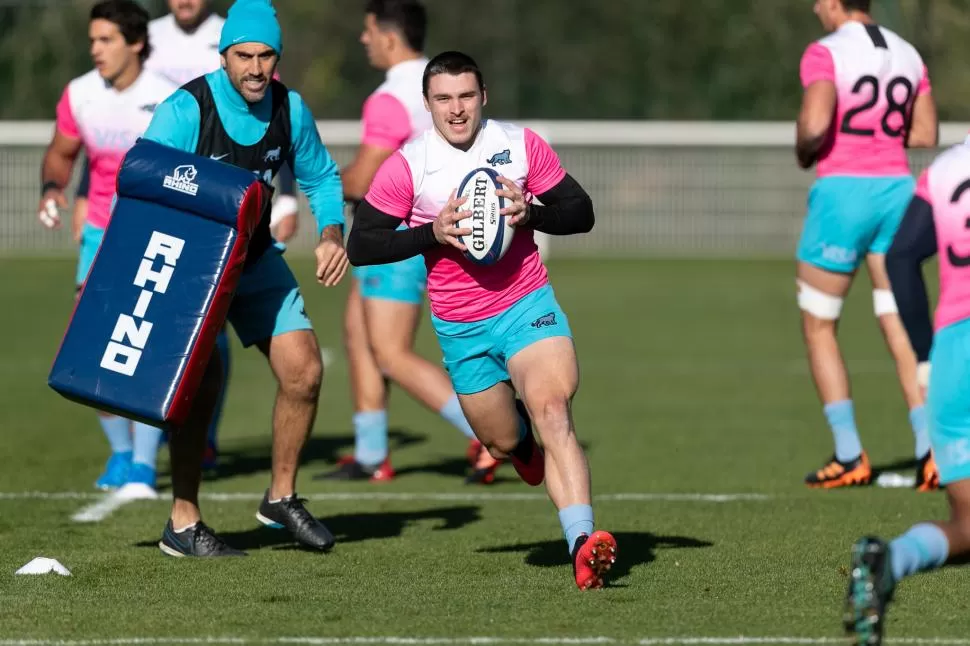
(384, 302)
(105, 111)
(500, 328)
(867, 98)
(937, 223)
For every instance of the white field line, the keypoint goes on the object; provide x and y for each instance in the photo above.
(475, 641)
(414, 496)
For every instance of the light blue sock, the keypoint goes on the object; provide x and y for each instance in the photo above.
(370, 437)
(222, 347)
(923, 547)
(452, 413)
(147, 439)
(917, 419)
(116, 430)
(841, 417)
(575, 520)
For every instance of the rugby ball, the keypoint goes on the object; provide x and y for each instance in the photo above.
(491, 236)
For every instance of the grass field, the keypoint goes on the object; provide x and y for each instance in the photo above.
(693, 382)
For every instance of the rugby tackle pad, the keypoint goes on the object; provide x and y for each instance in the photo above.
(159, 290)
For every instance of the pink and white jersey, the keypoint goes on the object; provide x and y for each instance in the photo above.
(394, 113)
(415, 183)
(108, 122)
(945, 185)
(180, 56)
(877, 77)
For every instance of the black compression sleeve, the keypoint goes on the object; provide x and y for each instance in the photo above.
(566, 209)
(915, 241)
(375, 240)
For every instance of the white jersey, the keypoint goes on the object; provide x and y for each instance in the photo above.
(108, 122)
(179, 56)
(394, 113)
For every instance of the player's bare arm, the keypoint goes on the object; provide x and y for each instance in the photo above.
(566, 208)
(814, 120)
(55, 175)
(357, 176)
(924, 128)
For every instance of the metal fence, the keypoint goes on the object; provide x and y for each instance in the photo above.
(660, 189)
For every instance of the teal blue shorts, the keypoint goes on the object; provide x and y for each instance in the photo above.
(948, 401)
(850, 217)
(476, 354)
(91, 237)
(268, 302)
(403, 281)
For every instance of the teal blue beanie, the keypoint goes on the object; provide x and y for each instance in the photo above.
(252, 21)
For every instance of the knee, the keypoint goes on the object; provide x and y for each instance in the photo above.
(551, 414)
(388, 357)
(302, 381)
(821, 310)
(500, 447)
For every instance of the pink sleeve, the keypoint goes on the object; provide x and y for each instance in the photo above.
(392, 190)
(923, 186)
(65, 118)
(386, 122)
(545, 170)
(817, 65)
(924, 83)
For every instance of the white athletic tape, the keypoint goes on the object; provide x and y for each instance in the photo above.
(50, 217)
(818, 303)
(883, 302)
(923, 374)
(285, 205)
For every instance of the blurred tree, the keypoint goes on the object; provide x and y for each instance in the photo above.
(621, 59)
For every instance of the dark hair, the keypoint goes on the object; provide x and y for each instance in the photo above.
(453, 63)
(407, 16)
(856, 5)
(132, 21)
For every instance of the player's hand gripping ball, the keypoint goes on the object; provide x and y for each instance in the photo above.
(491, 232)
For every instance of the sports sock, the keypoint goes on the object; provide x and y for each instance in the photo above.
(841, 417)
(147, 439)
(917, 419)
(922, 547)
(575, 520)
(370, 437)
(116, 430)
(453, 414)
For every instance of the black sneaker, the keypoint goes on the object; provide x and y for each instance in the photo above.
(197, 540)
(289, 513)
(870, 591)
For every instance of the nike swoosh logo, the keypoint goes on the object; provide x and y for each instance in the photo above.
(218, 157)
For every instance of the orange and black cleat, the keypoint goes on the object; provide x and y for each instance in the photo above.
(528, 458)
(841, 474)
(593, 556)
(927, 474)
(483, 465)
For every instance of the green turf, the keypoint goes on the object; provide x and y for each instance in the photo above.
(693, 381)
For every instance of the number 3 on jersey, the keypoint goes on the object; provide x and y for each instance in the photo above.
(870, 85)
(955, 259)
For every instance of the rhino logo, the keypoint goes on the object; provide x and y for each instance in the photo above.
(272, 155)
(503, 157)
(182, 180)
(547, 320)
